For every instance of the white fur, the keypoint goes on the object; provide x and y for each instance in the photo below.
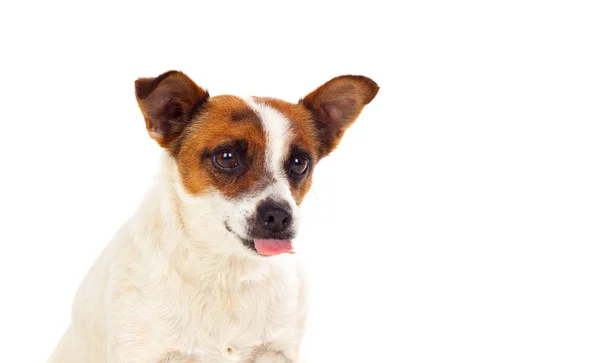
(175, 286)
(276, 128)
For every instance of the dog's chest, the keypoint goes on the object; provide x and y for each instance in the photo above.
(234, 322)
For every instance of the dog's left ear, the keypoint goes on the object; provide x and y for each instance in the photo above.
(336, 105)
(168, 103)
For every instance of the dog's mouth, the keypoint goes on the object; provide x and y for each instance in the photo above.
(265, 247)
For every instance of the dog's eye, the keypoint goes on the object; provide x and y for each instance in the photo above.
(299, 165)
(226, 159)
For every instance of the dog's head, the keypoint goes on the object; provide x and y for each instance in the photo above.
(245, 164)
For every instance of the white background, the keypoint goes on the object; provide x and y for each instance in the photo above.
(459, 220)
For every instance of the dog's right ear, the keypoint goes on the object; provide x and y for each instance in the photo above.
(168, 103)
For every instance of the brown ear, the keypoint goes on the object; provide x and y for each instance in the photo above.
(336, 104)
(168, 103)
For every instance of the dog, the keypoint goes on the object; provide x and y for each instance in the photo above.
(205, 269)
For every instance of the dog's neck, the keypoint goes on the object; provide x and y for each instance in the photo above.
(198, 249)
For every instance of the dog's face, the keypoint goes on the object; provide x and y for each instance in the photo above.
(245, 164)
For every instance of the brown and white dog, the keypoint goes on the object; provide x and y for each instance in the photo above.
(187, 279)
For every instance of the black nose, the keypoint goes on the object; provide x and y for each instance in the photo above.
(274, 216)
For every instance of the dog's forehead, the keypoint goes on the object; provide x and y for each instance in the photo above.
(301, 129)
(227, 114)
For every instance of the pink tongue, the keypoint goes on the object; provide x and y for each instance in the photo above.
(271, 247)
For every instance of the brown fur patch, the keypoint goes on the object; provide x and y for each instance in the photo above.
(225, 121)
